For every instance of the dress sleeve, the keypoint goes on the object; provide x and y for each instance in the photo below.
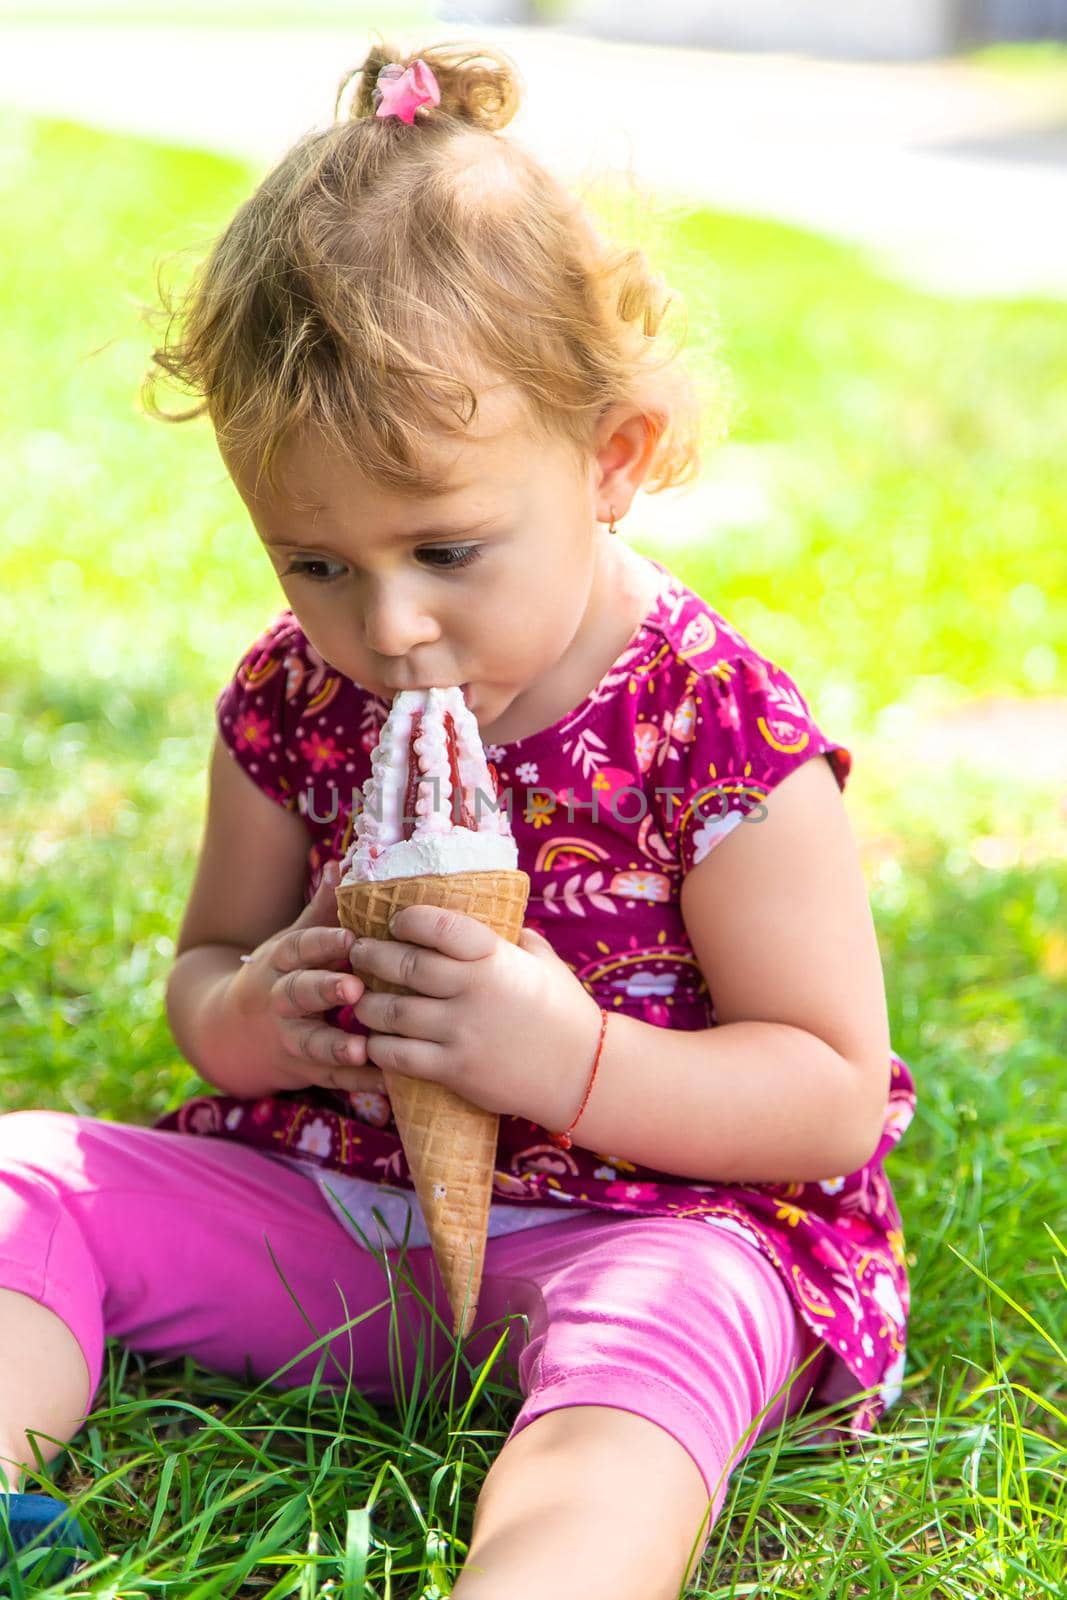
(751, 727)
(259, 708)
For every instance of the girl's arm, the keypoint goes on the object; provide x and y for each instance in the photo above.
(255, 1029)
(246, 887)
(205, 1027)
(793, 1083)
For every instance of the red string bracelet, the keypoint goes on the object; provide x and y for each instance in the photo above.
(563, 1140)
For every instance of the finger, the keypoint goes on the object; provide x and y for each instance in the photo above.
(453, 933)
(310, 1039)
(409, 965)
(416, 1058)
(305, 991)
(311, 947)
(358, 1080)
(321, 909)
(346, 1080)
(410, 1015)
(535, 943)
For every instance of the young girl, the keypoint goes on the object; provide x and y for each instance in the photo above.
(436, 390)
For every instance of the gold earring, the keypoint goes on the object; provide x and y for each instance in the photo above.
(613, 528)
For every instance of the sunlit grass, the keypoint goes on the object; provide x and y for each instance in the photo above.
(914, 449)
(1024, 57)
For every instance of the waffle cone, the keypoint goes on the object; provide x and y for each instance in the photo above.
(450, 1145)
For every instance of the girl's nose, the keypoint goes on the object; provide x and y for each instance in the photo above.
(394, 623)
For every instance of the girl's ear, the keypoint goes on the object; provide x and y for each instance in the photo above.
(627, 440)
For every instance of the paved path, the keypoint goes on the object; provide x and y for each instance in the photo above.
(954, 177)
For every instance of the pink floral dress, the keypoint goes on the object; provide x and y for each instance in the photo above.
(689, 729)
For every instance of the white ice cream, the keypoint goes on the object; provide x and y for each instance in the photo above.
(456, 828)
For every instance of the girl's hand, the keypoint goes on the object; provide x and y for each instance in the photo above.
(506, 1026)
(280, 995)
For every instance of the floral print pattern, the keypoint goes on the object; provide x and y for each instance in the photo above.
(682, 738)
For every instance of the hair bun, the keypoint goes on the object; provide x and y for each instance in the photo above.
(480, 85)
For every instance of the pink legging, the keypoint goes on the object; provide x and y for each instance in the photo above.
(159, 1239)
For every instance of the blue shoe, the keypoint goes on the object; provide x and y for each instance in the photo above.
(39, 1520)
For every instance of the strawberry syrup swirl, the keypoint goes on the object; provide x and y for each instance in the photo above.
(408, 818)
(465, 819)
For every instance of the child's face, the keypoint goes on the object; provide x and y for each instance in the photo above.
(384, 609)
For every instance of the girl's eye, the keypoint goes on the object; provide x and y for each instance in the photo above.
(303, 569)
(462, 555)
(459, 556)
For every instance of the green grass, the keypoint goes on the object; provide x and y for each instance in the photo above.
(914, 449)
(1023, 57)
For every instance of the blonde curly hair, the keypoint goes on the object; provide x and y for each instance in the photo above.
(378, 261)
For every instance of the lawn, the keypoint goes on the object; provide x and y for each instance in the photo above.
(915, 449)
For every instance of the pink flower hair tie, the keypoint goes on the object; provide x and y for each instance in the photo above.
(400, 91)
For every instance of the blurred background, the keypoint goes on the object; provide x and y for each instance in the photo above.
(865, 210)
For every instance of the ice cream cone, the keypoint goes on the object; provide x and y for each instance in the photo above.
(450, 1144)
